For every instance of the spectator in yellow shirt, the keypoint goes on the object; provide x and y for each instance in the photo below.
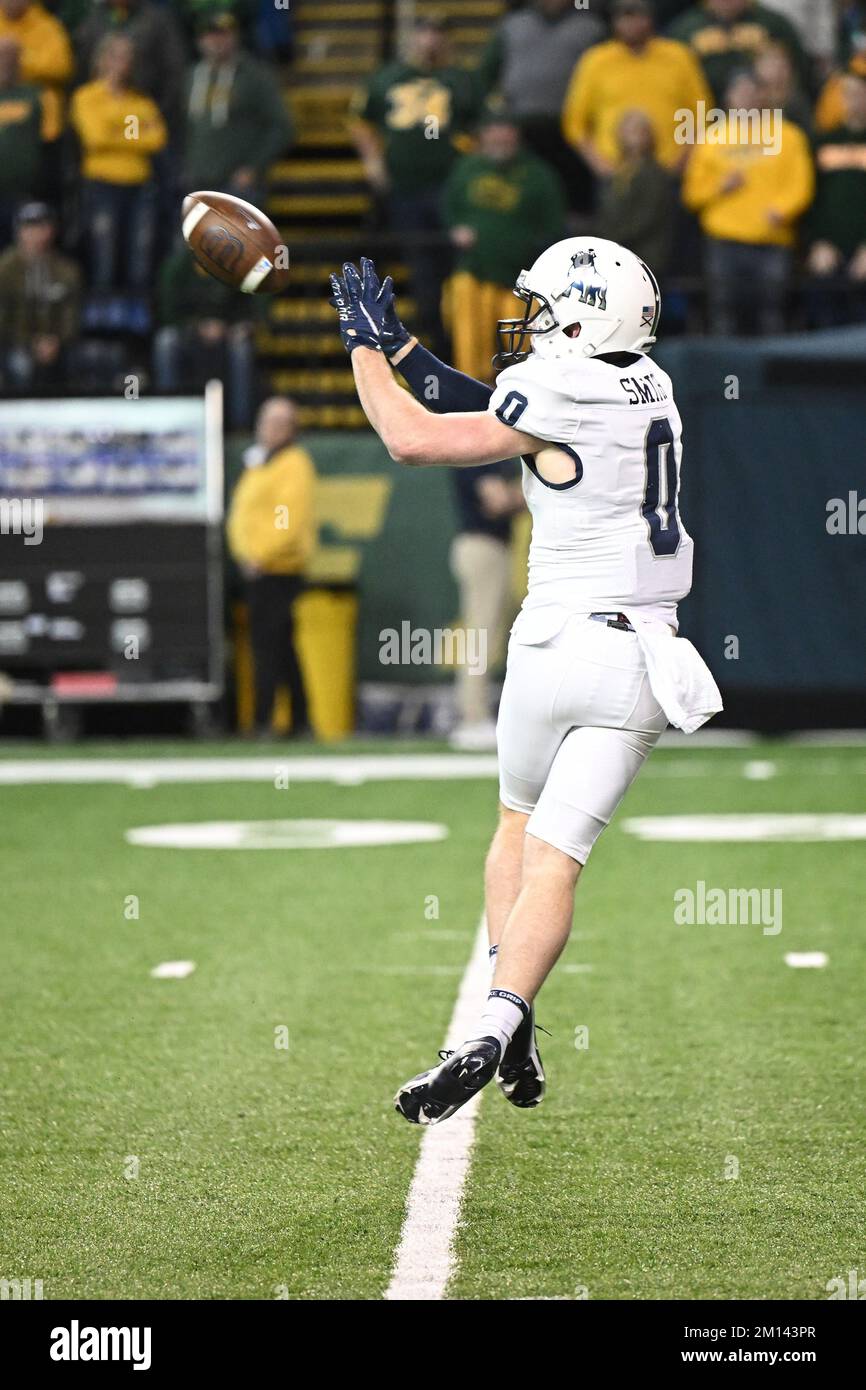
(749, 192)
(830, 107)
(272, 534)
(46, 57)
(119, 131)
(635, 70)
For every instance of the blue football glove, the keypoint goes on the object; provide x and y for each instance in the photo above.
(368, 315)
(357, 328)
(378, 300)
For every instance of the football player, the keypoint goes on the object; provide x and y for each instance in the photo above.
(595, 670)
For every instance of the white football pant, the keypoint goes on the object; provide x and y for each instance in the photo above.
(576, 722)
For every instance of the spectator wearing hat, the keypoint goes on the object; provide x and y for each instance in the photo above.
(237, 121)
(119, 130)
(20, 138)
(837, 222)
(503, 206)
(266, 26)
(529, 61)
(406, 125)
(40, 295)
(634, 70)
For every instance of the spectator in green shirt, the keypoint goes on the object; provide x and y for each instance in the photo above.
(837, 221)
(503, 206)
(529, 60)
(728, 35)
(20, 138)
(237, 122)
(40, 305)
(638, 203)
(405, 125)
(266, 25)
(206, 333)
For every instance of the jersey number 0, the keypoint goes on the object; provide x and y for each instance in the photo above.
(659, 505)
(659, 508)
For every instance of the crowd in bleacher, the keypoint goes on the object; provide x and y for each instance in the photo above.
(108, 110)
(570, 120)
(577, 120)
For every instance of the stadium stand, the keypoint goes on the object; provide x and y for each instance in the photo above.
(319, 198)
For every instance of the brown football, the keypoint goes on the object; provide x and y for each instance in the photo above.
(235, 242)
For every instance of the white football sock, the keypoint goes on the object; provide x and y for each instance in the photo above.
(503, 1014)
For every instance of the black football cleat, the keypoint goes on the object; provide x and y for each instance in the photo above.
(520, 1077)
(434, 1095)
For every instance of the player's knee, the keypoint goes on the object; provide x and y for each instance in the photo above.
(512, 822)
(540, 857)
(507, 841)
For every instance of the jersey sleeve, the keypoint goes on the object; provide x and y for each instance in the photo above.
(535, 398)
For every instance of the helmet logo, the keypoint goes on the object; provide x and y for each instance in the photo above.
(587, 281)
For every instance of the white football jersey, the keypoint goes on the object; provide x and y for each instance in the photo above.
(613, 538)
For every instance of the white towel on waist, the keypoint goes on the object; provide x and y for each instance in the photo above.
(680, 678)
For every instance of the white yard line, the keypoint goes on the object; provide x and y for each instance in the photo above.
(173, 969)
(354, 769)
(806, 960)
(424, 1260)
(350, 769)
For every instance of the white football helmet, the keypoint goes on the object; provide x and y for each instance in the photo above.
(583, 296)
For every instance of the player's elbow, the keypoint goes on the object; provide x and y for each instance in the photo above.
(409, 452)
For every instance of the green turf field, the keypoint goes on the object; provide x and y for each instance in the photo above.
(155, 1142)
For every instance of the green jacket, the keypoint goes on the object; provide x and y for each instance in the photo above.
(637, 208)
(235, 118)
(838, 214)
(39, 297)
(418, 114)
(515, 209)
(725, 47)
(20, 139)
(189, 294)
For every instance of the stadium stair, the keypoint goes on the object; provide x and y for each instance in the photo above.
(318, 196)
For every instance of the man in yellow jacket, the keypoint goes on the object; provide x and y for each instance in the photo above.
(46, 57)
(749, 187)
(633, 71)
(272, 534)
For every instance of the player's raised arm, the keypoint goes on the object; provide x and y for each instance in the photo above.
(413, 435)
(417, 438)
(441, 388)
